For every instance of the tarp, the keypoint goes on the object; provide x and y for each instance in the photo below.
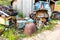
(21, 23)
(42, 5)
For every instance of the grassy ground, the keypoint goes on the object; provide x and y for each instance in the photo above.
(48, 27)
(12, 33)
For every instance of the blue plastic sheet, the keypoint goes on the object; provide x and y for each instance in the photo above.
(45, 5)
(36, 6)
(21, 23)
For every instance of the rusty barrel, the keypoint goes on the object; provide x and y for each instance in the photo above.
(29, 29)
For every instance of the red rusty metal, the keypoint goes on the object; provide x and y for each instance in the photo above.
(29, 29)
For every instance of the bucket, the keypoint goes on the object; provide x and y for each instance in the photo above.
(21, 23)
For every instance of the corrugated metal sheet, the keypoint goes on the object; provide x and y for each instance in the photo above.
(25, 6)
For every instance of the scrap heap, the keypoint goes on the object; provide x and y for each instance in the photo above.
(7, 15)
(40, 17)
(43, 10)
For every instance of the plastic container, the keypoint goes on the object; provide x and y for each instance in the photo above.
(21, 23)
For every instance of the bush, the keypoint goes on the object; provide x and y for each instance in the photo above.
(6, 2)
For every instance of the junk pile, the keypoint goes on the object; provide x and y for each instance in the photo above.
(42, 5)
(37, 19)
(8, 18)
(7, 15)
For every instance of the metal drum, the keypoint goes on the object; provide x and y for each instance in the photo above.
(29, 28)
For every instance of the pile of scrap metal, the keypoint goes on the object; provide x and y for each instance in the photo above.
(27, 25)
(7, 15)
(55, 13)
(43, 12)
(40, 17)
(8, 18)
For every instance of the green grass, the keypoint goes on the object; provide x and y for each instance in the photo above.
(20, 15)
(10, 34)
(58, 3)
(6, 2)
(1, 27)
(48, 27)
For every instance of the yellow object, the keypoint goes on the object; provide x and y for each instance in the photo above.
(2, 21)
(57, 8)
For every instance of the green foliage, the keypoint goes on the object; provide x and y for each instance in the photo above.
(53, 22)
(20, 15)
(5, 2)
(10, 35)
(39, 30)
(48, 27)
(1, 27)
(22, 35)
(58, 3)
